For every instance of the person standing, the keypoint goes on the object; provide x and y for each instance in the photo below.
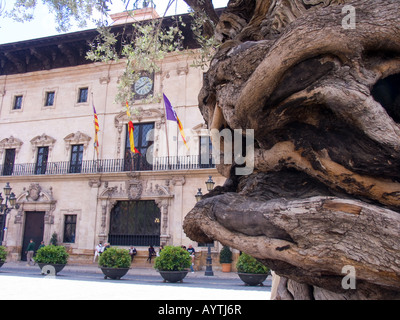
(98, 251)
(41, 245)
(30, 251)
(192, 255)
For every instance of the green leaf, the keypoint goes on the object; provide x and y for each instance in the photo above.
(115, 258)
(52, 254)
(3, 254)
(173, 259)
(248, 264)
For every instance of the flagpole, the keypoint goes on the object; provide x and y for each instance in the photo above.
(166, 131)
(177, 144)
(94, 127)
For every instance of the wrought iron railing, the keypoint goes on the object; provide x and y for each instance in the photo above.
(106, 166)
(134, 240)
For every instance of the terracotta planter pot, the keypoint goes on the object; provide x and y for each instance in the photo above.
(51, 268)
(114, 273)
(226, 267)
(173, 276)
(253, 279)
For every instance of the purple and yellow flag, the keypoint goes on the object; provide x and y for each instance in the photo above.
(171, 115)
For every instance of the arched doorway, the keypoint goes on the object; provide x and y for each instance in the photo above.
(135, 223)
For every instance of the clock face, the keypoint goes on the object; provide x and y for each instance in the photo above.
(143, 86)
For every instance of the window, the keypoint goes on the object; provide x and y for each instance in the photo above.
(138, 162)
(202, 244)
(9, 159)
(135, 223)
(76, 158)
(69, 228)
(17, 103)
(41, 160)
(83, 95)
(49, 100)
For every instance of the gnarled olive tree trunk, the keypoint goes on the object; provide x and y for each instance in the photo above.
(319, 82)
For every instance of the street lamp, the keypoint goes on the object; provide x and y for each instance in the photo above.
(4, 208)
(199, 195)
(210, 185)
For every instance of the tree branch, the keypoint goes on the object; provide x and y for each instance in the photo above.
(205, 6)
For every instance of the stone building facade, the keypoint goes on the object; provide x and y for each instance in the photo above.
(47, 93)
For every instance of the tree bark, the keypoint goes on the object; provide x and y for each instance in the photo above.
(322, 100)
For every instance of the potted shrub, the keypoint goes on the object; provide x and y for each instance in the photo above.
(173, 263)
(251, 271)
(225, 259)
(115, 263)
(53, 240)
(3, 255)
(51, 258)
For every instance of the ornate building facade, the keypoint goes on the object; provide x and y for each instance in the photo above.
(47, 153)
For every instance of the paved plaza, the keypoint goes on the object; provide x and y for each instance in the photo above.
(19, 282)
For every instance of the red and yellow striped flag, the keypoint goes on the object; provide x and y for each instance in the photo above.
(96, 129)
(131, 129)
(181, 131)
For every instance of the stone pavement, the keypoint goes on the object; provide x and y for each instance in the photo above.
(94, 268)
(21, 285)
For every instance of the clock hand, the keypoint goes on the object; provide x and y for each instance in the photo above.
(143, 85)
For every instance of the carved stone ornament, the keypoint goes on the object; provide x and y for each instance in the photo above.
(10, 143)
(134, 189)
(34, 191)
(42, 141)
(35, 198)
(77, 138)
(94, 183)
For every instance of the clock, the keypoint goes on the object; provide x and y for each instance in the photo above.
(143, 86)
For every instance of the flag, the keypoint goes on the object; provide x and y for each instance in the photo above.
(131, 129)
(96, 129)
(171, 115)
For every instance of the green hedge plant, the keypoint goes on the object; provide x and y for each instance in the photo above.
(225, 256)
(115, 258)
(52, 255)
(3, 254)
(248, 264)
(173, 259)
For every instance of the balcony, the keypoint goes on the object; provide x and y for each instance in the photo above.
(138, 163)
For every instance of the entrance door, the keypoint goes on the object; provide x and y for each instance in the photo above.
(135, 223)
(34, 228)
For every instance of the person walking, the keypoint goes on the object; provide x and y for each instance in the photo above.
(30, 251)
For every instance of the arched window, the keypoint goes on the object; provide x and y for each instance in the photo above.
(135, 223)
